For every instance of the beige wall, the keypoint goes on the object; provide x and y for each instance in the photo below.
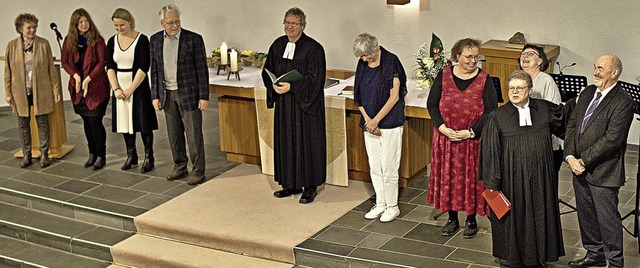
(583, 28)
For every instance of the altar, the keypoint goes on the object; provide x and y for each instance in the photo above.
(239, 124)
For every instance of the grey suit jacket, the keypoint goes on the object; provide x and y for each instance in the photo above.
(193, 72)
(603, 143)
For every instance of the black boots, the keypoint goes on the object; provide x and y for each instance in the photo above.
(26, 160)
(100, 162)
(132, 159)
(90, 161)
(148, 163)
(44, 160)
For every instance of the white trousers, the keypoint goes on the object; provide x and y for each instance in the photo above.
(384, 153)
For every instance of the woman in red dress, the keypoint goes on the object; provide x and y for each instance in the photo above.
(459, 102)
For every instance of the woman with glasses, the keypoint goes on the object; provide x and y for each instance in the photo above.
(83, 58)
(534, 61)
(516, 159)
(31, 85)
(459, 102)
(379, 90)
(128, 61)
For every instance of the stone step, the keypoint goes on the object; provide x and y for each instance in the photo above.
(147, 251)
(70, 235)
(19, 253)
(68, 204)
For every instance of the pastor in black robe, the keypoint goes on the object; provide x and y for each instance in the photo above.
(518, 160)
(299, 141)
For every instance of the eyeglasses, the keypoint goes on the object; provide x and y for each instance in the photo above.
(472, 57)
(289, 24)
(517, 89)
(172, 23)
(529, 53)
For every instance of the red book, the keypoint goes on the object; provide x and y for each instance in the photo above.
(497, 201)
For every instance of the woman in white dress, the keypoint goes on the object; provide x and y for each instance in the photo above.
(128, 62)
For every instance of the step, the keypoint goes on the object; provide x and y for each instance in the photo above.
(147, 251)
(19, 253)
(70, 205)
(60, 233)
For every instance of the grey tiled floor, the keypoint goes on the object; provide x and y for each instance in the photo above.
(414, 239)
(411, 240)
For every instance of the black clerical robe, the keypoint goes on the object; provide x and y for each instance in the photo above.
(518, 160)
(300, 155)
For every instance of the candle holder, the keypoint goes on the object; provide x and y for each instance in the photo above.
(223, 67)
(235, 73)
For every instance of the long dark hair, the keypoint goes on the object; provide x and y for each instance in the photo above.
(92, 34)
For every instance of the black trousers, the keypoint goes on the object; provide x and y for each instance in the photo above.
(96, 135)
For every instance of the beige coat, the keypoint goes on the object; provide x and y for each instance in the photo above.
(46, 80)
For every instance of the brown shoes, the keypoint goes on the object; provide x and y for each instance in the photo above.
(176, 175)
(195, 179)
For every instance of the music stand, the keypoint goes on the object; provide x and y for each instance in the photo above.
(634, 92)
(569, 85)
(496, 84)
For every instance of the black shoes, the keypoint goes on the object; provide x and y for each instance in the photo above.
(308, 196)
(286, 192)
(91, 161)
(587, 262)
(176, 175)
(26, 161)
(44, 161)
(148, 163)
(450, 228)
(100, 162)
(470, 230)
(132, 159)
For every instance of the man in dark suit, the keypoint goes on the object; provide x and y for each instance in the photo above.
(595, 144)
(180, 87)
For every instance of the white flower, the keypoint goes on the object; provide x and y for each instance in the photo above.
(428, 62)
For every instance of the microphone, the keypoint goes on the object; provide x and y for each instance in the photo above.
(54, 27)
(566, 66)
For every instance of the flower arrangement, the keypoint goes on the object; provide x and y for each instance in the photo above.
(215, 52)
(431, 60)
(246, 53)
(258, 56)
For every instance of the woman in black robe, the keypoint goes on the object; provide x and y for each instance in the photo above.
(517, 159)
(299, 148)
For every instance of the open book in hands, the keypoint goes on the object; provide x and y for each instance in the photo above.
(289, 77)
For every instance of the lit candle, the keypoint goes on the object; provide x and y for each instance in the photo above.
(223, 53)
(234, 60)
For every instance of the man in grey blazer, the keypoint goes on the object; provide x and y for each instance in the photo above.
(595, 144)
(180, 87)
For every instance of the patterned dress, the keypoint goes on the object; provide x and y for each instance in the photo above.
(453, 179)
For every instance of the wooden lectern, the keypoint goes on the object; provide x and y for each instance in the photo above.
(501, 61)
(57, 131)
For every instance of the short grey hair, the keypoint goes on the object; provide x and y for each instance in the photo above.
(168, 8)
(365, 44)
(294, 11)
(521, 75)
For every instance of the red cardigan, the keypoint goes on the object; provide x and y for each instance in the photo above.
(94, 67)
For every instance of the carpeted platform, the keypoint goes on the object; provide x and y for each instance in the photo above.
(236, 212)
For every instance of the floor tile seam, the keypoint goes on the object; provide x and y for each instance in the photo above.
(49, 174)
(420, 256)
(18, 225)
(422, 241)
(29, 264)
(118, 188)
(76, 239)
(111, 213)
(469, 249)
(346, 258)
